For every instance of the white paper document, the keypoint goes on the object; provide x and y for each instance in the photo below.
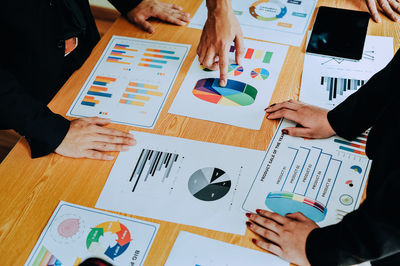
(75, 233)
(248, 91)
(281, 21)
(131, 81)
(322, 178)
(328, 81)
(182, 181)
(192, 249)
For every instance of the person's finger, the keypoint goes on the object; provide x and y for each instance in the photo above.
(223, 64)
(291, 105)
(388, 10)
(91, 154)
(268, 246)
(298, 132)
(202, 55)
(97, 120)
(174, 6)
(104, 146)
(208, 60)
(173, 17)
(373, 11)
(285, 113)
(265, 222)
(273, 216)
(239, 52)
(265, 233)
(298, 216)
(144, 24)
(112, 131)
(113, 139)
(395, 5)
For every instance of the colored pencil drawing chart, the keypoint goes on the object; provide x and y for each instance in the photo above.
(131, 81)
(242, 100)
(235, 93)
(75, 233)
(315, 177)
(281, 21)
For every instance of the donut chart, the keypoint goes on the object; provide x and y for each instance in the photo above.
(235, 69)
(97, 244)
(268, 10)
(259, 73)
(235, 93)
(209, 184)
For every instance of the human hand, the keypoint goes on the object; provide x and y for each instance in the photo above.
(314, 120)
(389, 8)
(220, 30)
(285, 236)
(87, 137)
(154, 9)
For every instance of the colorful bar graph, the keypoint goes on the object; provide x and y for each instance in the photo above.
(141, 91)
(350, 147)
(159, 51)
(352, 150)
(162, 56)
(136, 103)
(112, 59)
(124, 47)
(154, 60)
(249, 53)
(149, 65)
(142, 85)
(349, 144)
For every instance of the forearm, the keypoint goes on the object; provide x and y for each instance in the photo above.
(124, 6)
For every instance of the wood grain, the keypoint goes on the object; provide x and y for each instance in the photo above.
(31, 189)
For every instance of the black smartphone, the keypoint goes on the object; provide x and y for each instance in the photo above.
(339, 33)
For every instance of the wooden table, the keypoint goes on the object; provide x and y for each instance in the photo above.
(31, 189)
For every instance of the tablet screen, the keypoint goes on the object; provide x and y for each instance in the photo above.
(339, 33)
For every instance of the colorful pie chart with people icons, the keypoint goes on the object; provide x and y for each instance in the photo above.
(235, 69)
(110, 239)
(268, 10)
(259, 73)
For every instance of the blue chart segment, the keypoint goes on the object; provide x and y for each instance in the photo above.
(235, 93)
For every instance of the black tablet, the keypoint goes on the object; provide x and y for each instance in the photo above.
(339, 33)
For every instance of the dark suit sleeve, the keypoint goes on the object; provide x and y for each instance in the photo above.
(371, 232)
(31, 118)
(361, 110)
(124, 6)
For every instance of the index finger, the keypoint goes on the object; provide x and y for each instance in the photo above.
(113, 132)
(273, 216)
(223, 65)
(373, 10)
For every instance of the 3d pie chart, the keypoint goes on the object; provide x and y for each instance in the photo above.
(235, 93)
(209, 184)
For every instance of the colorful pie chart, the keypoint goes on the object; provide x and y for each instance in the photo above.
(235, 93)
(235, 69)
(259, 73)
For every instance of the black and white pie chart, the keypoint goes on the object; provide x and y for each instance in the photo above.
(209, 184)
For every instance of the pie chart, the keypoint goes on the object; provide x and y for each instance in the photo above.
(259, 73)
(235, 93)
(235, 69)
(209, 184)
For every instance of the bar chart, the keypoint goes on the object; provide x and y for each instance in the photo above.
(131, 81)
(338, 86)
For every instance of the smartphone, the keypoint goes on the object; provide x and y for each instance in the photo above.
(339, 33)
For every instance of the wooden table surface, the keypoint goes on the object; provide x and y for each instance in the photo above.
(31, 189)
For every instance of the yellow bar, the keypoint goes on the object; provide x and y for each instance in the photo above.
(137, 103)
(91, 101)
(259, 54)
(127, 49)
(145, 86)
(96, 90)
(141, 97)
(155, 93)
(125, 63)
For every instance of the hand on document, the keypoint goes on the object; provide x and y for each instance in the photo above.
(220, 30)
(313, 120)
(87, 138)
(284, 236)
(388, 7)
(154, 9)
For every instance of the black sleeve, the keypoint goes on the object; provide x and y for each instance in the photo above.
(361, 109)
(124, 6)
(369, 233)
(31, 118)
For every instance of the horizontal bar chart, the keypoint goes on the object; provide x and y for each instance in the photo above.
(143, 85)
(357, 148)
(149, 65)
(154, 60)
(161, 56)
(141, 91)
(124, 47)
(137, 97)
(159, 51)
(136, 103)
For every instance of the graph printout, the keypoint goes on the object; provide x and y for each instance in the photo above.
(192, 249)
(131, 81)
(328, 81)
(281, 21)
(248, 91)
(182, 181)
(324, 179)
(75, 233)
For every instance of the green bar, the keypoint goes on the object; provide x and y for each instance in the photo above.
(40, 256)
(267, 57)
